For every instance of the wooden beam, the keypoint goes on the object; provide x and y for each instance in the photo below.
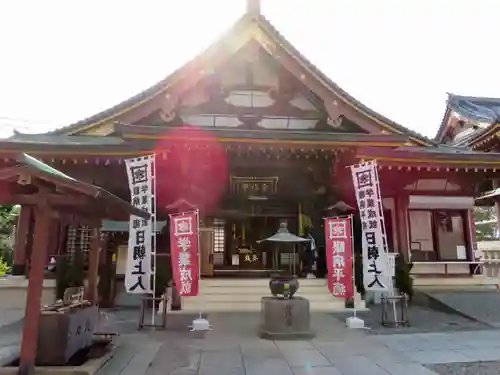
(76, 218)
(9, 172)
(222, 109)
(51, 199)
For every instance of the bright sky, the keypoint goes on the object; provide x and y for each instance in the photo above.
(62, 61)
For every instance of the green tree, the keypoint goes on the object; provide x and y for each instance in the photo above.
(8, 219)
(486, 223)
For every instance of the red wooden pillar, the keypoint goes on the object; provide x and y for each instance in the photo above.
(93, 270)
(22, 233)
(402, 225)
(34, 295)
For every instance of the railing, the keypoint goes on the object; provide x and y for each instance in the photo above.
(445, 267)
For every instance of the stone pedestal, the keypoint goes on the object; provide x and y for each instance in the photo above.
(285, 319)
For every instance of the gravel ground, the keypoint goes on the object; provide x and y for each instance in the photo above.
(468, 368)
(422, 320)
(482, 305)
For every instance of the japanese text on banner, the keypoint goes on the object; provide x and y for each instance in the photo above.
(339, 255)
(375, 260)
(184, 252)
(138, 275)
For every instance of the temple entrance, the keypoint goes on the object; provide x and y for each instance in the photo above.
(262, 193)
(237, 252)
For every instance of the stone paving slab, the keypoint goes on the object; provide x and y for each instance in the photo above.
(305, 358)
(280, 358)
(8, 354)
(10, 316)
(437, 356)
(233, 348)
(133, 355)
(358, 365)
(408, 369)
(482, 354)
(275, 366)
(123, 355)
(142, 359)
(328, 370)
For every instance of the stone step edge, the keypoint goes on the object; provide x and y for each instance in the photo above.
(210, 309)
(250, 282)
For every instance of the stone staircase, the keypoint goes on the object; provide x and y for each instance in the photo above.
(221, 295)
(477, 282)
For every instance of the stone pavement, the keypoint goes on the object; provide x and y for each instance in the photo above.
(10, 334)
(9, 316)
(232, 348)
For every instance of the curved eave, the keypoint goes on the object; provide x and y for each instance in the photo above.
(489, 161)
(472, 113)
(140, 139)
(111, 114)
(485, 136)
(49, 174)
(337, 90)
(7, 149)
(488, 198)
(444, 122)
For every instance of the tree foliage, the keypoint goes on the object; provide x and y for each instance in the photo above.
(8, 219)
(486, 223)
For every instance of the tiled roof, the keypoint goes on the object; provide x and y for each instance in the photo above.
(267, 25)
(475, 109)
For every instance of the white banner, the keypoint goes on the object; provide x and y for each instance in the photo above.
(376, 275)
(140, 240)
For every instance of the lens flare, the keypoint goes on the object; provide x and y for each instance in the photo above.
(191, 167)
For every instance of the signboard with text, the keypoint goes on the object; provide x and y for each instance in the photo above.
(339, 256)
(140, 249)
(376, 275)
(184, 252)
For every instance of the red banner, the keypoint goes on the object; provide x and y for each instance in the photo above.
(338, 249)
(184, 252)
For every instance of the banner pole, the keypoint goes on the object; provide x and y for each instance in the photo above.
(198, 253)
(351, 219)
(384, 236)
(153, 239)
